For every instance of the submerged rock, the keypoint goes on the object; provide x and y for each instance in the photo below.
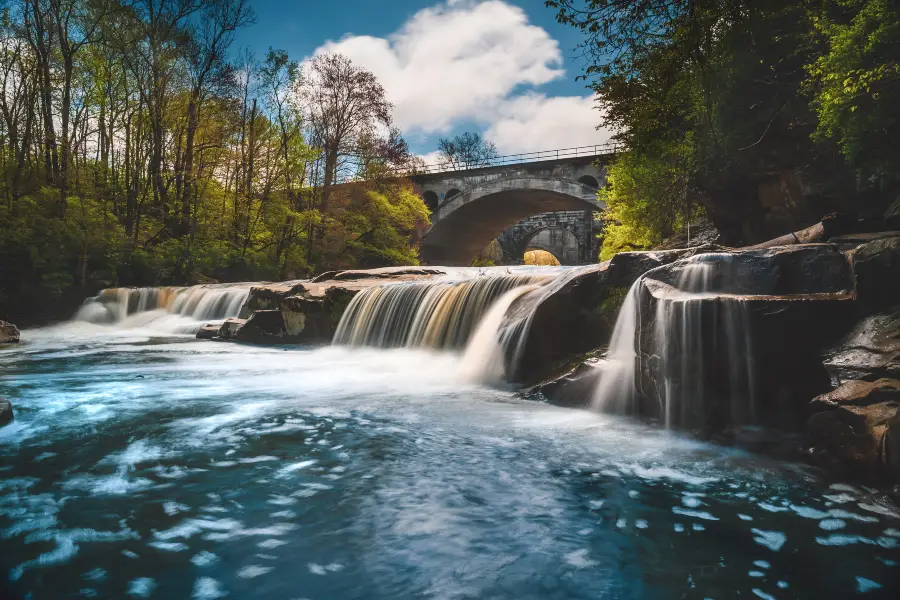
(574, 389)
(228, 330)
(856, 429)
(208, 332)
(6, 412)
(9, 333)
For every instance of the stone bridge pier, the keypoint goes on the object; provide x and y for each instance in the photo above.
(568, 235)
(546, 205)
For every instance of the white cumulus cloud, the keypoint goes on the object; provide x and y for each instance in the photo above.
(535, 122)
(469, 61)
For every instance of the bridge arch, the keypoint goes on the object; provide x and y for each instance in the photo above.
(467, 222)
(431, 200)
(589, 180)
(558, 241)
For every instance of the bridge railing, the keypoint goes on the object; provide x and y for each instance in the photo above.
(514, 159)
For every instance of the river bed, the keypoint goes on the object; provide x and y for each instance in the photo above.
(152, 465)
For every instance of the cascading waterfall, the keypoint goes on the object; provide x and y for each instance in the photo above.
(430, 314)
(682, 352)
(494, 347)
(168, 309)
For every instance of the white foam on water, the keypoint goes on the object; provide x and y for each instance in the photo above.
(253, 571)
(207, 588)
(204, 559)
(171, 310)
(864, 585)
(579, 559)
(832, 524)
(773, 540)
(699, 514)
(142, 587)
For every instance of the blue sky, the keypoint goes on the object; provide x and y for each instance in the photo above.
(504, 68)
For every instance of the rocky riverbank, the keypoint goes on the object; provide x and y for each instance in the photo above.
(9, 333)
(823, 316)
(825, 324)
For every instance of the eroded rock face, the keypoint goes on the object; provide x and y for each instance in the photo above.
(576, 314)
(9, 333)
(6, 412)
(263, 326)
(228, 330)
(310, 310)
(877, 267)
(208, 332)
(856, 429)
(748, 349)
(870, 350)
(574, 388)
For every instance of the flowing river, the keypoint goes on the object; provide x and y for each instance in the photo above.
(144, 464)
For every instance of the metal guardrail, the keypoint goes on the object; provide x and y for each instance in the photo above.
(515, 159)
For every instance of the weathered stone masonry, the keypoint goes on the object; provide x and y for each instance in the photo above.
(472, 207)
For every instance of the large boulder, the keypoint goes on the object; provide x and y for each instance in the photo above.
(267, 296)
(856, 429)
(583, 304)
(208, 332)
(573, 389)
(733, 338)
(877, 266)
(6, 412)
(870, 350)
(263, 326)
(312, 318)
(9, 333)
(310, 310)
(229, 329)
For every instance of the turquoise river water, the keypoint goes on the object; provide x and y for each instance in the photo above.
(149, 465)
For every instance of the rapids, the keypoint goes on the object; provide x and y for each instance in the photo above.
(166, 309)
(150, 465)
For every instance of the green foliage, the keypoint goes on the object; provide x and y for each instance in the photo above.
(136, 149)
(646, 197)
(712, 100)
(612, 301)
(856, 83)
(483, 262)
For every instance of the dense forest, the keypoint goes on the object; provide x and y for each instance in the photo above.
(762, 114)
(138, 147)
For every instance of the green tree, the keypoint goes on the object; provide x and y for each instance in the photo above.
(856, 84)
(711, 96)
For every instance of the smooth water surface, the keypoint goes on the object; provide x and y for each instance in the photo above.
(151, 466)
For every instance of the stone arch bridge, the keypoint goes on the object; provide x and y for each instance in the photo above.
(543, 204)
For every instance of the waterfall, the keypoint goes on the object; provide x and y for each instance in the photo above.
(168, 309)
(681, 351)
(432, 314)
(493, 347)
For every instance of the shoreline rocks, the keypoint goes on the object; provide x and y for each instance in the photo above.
(306, 311)
(855, 429)
(9, 333)
(6, 412)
